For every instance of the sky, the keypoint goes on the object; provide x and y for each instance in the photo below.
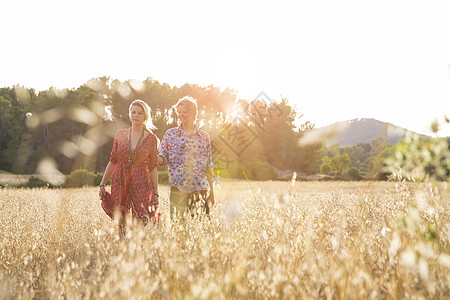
(332, 60)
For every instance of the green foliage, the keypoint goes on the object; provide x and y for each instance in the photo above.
(367, 159)
(98, 178)
(234, 170)
(35, 182)
(275, 129)
(352, 174)
(326, 167)
(82, 177)
(72, 128)
(11, 127)
(308, 158)
(259, 170)
(341, 162)
(263, 132)
(419, 158)
(423, 159)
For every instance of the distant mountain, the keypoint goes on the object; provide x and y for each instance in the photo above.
(348, 133)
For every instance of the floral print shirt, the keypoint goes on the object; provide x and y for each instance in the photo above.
(188, 157)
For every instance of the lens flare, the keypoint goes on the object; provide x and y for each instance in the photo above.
(87, 146)
(68, 148)
(22, 94)
(51, 115)
(32, 121)
(124, 90)
(83, 115)
(137, 85)
(48, 169)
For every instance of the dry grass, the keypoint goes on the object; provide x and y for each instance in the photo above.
(265, 241)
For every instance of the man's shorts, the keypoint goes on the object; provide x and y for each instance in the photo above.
(183, 204)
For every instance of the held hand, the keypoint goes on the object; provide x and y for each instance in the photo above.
(160, 160)
(155, 200)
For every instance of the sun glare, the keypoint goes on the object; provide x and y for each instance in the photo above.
(234, 112)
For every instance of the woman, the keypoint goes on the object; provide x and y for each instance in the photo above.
(134, 187)
(187, 151)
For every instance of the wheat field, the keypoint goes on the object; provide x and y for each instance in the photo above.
(265, 240)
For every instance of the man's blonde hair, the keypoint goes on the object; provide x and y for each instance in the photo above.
(190, 103)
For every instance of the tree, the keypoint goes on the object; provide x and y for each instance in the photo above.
(76, 127)
(275, 127)
(352, 174)
(341, 162)
(308, 157)
(12, 125)
(327, 166)
(420, 158)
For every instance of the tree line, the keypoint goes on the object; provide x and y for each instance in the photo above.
(66, 130)
(74, 128)
(357, 162)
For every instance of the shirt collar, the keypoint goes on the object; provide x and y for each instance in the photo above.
(180, 129)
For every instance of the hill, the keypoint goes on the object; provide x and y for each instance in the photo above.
(352, 132)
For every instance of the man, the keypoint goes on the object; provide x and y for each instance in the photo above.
(187, 151)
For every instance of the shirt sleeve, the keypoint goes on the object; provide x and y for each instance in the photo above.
(153, 158)
(164, 148)
(114, 157)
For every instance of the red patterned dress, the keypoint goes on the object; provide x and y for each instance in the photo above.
(131, 185)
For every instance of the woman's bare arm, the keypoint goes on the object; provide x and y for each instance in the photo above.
(154, 179)
(108, 173)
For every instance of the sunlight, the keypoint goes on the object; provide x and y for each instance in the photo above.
(95, 83)
(83, 115)
(32, 120)
(87, 146)
(51, 115)
(238, 70)
(98, 108)
(232, 114)
(236, 111)
(23, 96)
(124, 90)
(68, 148)
(48, 169)
(137, 85)
(108, 113)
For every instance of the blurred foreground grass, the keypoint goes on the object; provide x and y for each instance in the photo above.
(266, 240)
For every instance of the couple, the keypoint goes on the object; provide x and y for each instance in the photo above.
(135, 157)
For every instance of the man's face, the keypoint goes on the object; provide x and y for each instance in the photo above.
(184, 114)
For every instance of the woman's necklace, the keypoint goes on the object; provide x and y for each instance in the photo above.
(131, 158)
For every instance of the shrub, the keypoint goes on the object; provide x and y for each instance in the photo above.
(352, 174)
(420, 158)
(259, 170)
(98, 178)
(82, 177)
(35, 182)
(234, 170)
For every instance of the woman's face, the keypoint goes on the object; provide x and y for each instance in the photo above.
(137, 115)
(184, 114)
